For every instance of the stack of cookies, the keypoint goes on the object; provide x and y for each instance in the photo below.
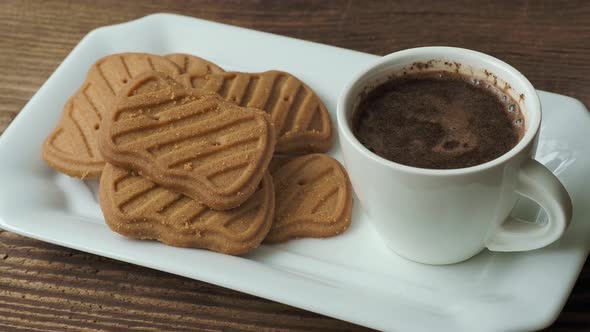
(194, 156)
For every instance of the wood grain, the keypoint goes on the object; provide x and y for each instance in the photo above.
(49, 288)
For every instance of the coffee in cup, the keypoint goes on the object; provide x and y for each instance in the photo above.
(438, 120)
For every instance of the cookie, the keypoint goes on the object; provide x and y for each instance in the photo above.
(300, 117)
(72, 146)
(313, 199)
(279, 161)
(195, 70)
(138, 208)
(188, 140)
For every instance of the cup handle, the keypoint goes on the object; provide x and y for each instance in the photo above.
(536, 182)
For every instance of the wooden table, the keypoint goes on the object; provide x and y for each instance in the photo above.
(46, 287)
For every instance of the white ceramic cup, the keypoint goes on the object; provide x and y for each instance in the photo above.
(447, 216)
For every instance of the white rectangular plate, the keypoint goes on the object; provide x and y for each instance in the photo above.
(353, 277)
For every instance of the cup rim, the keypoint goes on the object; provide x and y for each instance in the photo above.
(529, 90)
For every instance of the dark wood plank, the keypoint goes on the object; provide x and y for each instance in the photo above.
(55, 288)
(48, 288)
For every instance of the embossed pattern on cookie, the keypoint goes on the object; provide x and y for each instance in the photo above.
(195, 70)
(72, 146)
(313, 198)
(138, 208)
(301, 119)
(188, 140)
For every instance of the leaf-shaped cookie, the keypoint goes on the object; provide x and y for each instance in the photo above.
(188, 140)
(138, 208)
(300, 117)
(72, 147)
(313, 199)
(195, 70)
